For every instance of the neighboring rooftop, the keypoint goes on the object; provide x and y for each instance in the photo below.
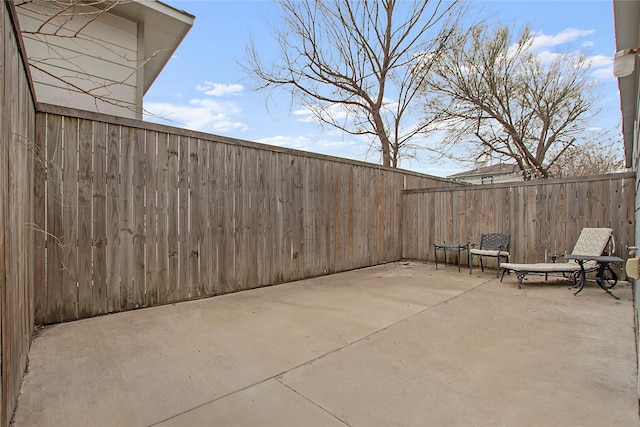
(164, 29)
(99, 56)
(489, 173)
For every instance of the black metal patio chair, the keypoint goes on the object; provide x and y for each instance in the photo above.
(492, 245)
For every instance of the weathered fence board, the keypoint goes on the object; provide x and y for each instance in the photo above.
(112, 220)
(543, 217)
(69, 209)
(99, 239)
(85, 212)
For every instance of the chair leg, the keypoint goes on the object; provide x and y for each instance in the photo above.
(498, 270)
(520, 275)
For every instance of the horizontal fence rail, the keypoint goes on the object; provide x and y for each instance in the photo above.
(542, 217)
(137, 217)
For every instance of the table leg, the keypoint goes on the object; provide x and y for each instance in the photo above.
(600, 279)
(576, 282)
(583, 277)
(435, 253)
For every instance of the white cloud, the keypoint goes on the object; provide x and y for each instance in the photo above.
(541, 41)
(335, 143)
(220, 89)
(542, 45)
(336, 111)
(316, 144)
(600, 61)
(339, 113)
(305, 116)
(296, 142)
(603, 73)
(203, 115)
(602, 67)
(547, 57)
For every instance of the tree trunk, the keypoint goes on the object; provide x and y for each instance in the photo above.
(385, 144)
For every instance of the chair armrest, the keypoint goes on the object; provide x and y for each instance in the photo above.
(554, 257)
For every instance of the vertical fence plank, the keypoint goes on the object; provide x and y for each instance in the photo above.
(215, 181)
(113, 219)
(227, 198)
(260, 221)
(194, 236)
(204, 256)
(162, 257)
(545, 238)
(183, 219)
(40, 236)
(7, 399)
(138, 205)
(85, 220)
(100, 218)
(241, 207)
(151, 173)
(70, 209)
(54, 219)
(127, 145)
(172, 219)
(251, 232)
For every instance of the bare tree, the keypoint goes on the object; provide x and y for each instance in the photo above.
(352, 63)
(599, 154)
(491, 95)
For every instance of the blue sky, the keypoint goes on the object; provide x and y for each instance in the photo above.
(203, 88)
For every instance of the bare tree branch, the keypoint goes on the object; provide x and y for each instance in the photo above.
(361, 56)
(493, 96)
(599, 153)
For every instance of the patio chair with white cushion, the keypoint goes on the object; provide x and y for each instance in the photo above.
(592, 241)
(493, 245)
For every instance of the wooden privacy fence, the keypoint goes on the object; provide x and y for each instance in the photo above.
(17, 115)
(543, 217)
(140, 215)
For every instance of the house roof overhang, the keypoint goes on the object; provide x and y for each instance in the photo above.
(493, 170)
(627, 32)
(164, 29)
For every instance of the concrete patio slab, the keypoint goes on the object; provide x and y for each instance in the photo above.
(397, 344)
(266, 404)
